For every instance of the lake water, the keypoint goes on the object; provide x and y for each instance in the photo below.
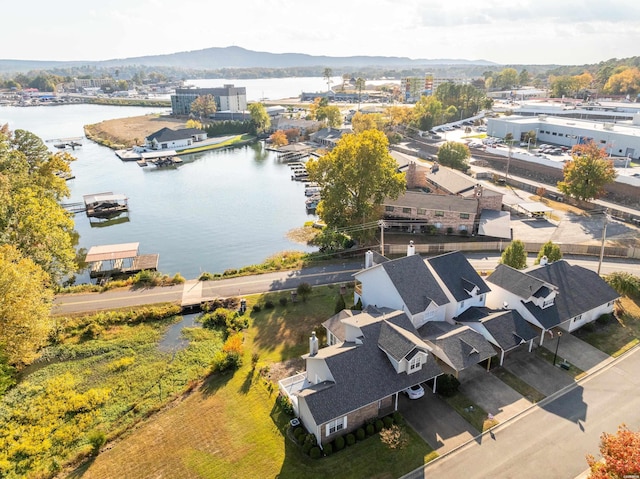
(218, 210)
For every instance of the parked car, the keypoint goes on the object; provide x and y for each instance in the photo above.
(415, 392)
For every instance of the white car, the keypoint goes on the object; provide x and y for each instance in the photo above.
(415, 392)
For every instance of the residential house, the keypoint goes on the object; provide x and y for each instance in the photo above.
(328, 137)
(375, 355)
(168, 139)
(552, 295)
(434, 290)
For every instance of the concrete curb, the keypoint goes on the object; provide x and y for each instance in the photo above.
(417, 473)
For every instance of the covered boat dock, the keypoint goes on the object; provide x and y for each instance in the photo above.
(119, 259)
(105, 205)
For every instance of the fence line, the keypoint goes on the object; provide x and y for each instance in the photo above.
(499, 246)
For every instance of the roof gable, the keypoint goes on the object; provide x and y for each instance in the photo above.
(518, 282)
(458, 275)
(415, 283)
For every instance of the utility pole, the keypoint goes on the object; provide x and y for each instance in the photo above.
(381, 224)
(604, 236)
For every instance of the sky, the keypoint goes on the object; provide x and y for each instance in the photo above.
(566, 32)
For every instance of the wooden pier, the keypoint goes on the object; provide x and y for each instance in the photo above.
(105, 205)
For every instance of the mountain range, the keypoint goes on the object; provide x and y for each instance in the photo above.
(237, 57)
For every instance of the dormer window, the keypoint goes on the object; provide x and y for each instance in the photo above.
(547, 302)
(415, 363)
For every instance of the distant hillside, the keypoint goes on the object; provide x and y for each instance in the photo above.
(237, 57)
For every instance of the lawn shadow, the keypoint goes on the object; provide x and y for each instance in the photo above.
(215, 381)
(80, 471)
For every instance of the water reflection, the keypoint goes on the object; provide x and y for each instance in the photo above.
(173, 339)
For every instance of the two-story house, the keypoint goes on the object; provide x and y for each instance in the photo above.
(552, 295)
(375, 354)
(168, 139)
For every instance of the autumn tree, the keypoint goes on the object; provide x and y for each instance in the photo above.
(193, 124)
(586, 175)
(367, 121)
(25, 319)
(259, 117)
(355, 178)
(505, 79)
(427, 112)
(551, 251)
(292, 134)
(454, 155)
(360, 86)
(330, 115)
(31, 218)
(515, 255)
(626, 82)
(278, 139)
(204, 106)
(620, 455)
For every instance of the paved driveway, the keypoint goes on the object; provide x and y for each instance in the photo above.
(576, 351)
(491, 394)
(536, 372)
(437, 423)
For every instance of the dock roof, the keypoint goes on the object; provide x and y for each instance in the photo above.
(100, 197)
(112, 252)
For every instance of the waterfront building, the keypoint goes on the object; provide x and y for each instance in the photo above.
(228, 98)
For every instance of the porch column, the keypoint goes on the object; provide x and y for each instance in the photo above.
(501, 357)
(542, 336)
(530, 345)
(434, 384)
(396, 406)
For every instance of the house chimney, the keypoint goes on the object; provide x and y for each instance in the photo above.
(544, 261)
(411, 250)
(313, 344)
(368, 259)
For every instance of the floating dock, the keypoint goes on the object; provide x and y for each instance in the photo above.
(105, 205)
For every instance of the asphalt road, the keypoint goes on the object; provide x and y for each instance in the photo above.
(551, 439)
(283, 280)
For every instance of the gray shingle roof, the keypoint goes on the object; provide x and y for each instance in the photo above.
(579, 290)
(416, 199)
(415, 283)
(462, 346)
(507, 327)
(167, 134)
(363, 375)
(517, 282)
(457, 274)
(451, 180)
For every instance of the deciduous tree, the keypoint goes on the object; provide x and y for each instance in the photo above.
(626, 82)
(278, 139)
(327, 74)
(203, 106)
(454, 155)
(586, 175)
(355, 178)
(620, 455)
(551, 251)
(366, 121)
(25, 319)
(330, 115)
(260, 117)
(515, 255)
(427, 112)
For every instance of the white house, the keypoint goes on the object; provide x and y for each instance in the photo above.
(168, 139)
(553, 295)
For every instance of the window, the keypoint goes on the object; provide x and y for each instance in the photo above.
(439, 213)
(415, 363)
(422, 211)
(388, 208)
(337, 425)
(464, 216)
(406, 211)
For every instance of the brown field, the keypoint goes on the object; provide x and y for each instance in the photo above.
(127, 132)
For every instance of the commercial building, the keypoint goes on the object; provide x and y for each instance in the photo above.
(228, 98)
(618, 139)
(415, 87)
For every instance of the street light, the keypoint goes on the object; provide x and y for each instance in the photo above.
(557, 344)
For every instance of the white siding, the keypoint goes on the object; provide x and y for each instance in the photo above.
(378, 290)
(317, 371)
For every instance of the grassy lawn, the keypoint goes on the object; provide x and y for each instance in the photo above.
(517, 384)
(547, 355)
(232, 141)
(471, 412)
(232, 427)
(616, 336)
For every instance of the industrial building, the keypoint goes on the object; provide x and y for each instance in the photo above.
(620, 139)
(228, 98)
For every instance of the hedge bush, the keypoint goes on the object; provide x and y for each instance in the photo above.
(339, 443)
(370, 429)
(360, 434)
(351, 439)
(328, 449)
(315, 452)
(397, 418)
(388, 421)
(379, 425)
